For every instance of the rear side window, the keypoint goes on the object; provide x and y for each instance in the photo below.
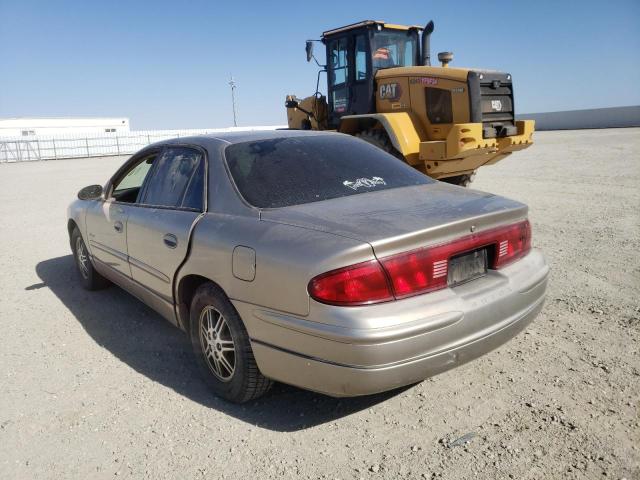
(281, 172)
(177, 180)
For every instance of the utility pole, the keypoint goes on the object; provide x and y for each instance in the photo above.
(232, 84)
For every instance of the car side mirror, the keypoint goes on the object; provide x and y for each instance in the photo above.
(92, 192)
(309, 48)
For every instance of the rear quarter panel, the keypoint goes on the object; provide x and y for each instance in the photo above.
(287, 257)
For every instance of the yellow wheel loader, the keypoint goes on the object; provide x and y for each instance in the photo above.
(445, 121)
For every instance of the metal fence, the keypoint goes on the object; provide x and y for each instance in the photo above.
(34, 148)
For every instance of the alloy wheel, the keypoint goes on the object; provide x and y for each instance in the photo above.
(217, 343)
(82, 258)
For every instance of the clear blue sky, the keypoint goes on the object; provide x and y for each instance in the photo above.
(166, 64)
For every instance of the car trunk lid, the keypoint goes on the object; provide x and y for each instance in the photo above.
(401, 219)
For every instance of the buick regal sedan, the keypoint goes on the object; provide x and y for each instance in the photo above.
(309, 258)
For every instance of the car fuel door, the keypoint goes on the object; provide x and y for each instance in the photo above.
(159, 226)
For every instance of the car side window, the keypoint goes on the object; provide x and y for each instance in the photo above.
(177, 179)
(127, 188)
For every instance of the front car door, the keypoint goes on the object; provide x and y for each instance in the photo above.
(158, 226)
(107, 220)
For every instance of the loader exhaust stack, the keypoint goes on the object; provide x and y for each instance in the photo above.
(426, 43)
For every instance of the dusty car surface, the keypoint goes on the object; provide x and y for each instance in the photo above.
(310, 258)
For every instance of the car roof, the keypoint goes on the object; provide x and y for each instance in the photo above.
(244, 136)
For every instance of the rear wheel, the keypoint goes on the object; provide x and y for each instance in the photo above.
(380, 139)
(89, 277)
(222, 348)
(462, 180)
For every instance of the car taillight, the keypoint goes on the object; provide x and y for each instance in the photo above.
(417, 271)
(514, 242)
(426, 269)
(358, 284)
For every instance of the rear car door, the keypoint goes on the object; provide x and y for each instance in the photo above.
(107, 220)
(158, 226)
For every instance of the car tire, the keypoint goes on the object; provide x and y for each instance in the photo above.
(89, 277)
(461, 180)
(222, 348)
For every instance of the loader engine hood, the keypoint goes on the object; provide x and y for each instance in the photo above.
(491, 102)
(490, 93)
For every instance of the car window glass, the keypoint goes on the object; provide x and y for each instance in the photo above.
(294, 170)
(127, 188)
(195, 189)
(177, 179)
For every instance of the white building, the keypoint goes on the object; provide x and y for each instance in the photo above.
(26, 127)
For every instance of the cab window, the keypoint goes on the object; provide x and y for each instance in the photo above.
(339, 61)
(393, 48)
(339, 74)
(361, 57)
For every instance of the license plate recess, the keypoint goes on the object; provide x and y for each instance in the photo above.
(467, 266)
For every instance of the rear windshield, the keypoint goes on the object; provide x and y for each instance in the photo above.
(281, 172)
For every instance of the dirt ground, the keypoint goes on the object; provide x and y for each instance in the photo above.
(96, 385)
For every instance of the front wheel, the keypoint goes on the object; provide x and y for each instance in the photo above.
(222, 349)
(89, 277)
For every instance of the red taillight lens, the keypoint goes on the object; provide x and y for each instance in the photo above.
(514, 242)
(358, 284)
(418, 271)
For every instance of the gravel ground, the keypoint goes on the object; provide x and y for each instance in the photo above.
(96, 385)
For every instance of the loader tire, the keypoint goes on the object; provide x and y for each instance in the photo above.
(461, 180)
(380, 139)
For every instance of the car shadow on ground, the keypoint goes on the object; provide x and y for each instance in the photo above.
(146, 342)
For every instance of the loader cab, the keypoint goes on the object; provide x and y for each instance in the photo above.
(354, 54)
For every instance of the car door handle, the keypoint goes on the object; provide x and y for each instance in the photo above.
(118, 226)
(170, 240)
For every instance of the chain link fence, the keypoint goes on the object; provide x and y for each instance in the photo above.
(34, 148)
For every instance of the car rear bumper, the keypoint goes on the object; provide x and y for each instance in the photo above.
(365, 350)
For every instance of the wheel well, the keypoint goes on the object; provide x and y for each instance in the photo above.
(353, 125)
(186, 290)
(71, 224)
